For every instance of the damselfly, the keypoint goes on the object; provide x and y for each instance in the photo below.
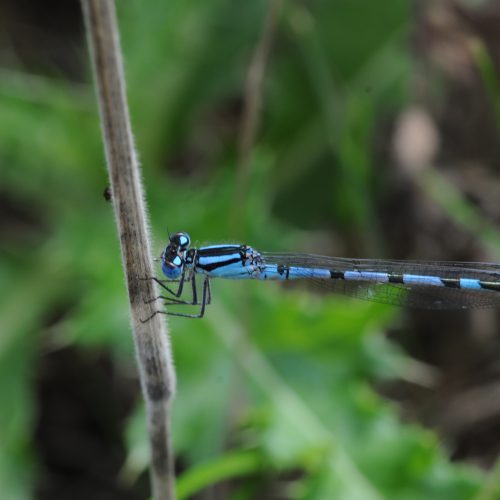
(418, 284)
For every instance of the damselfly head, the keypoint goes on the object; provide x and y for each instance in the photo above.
(172, 258)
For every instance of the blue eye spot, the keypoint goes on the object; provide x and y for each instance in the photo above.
(184, 240)
(170, 271)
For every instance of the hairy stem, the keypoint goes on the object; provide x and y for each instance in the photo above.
(151, 338)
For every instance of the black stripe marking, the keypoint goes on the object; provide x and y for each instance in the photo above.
(336, 275)
(283, 269)
(396, 278)
(451, 282)
(490, 285)
(216, 265)
(211, 252)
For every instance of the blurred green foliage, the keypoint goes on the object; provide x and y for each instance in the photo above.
(274, 384)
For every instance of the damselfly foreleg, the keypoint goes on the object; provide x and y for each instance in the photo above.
(175, 293)
(206, 297)
(172, 299)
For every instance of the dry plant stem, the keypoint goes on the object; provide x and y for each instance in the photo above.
(252, 102)
(151, 340)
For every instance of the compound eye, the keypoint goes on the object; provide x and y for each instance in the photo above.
(181, 240)
(172, 269)
(184, 241)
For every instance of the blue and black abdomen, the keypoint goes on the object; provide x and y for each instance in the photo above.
(431, 285)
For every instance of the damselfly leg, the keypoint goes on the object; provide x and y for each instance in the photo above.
(206, 296)
(173, 293)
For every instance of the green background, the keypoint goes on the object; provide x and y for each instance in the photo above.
(283, 392)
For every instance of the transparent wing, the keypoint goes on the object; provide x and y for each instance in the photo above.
(416, 296)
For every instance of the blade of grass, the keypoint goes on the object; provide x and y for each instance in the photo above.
(252, 106)
(459, 209)
(228, 466)
(491, 488)
(292, 408)
(488, 74)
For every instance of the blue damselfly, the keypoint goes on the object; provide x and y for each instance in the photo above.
(418, 284)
